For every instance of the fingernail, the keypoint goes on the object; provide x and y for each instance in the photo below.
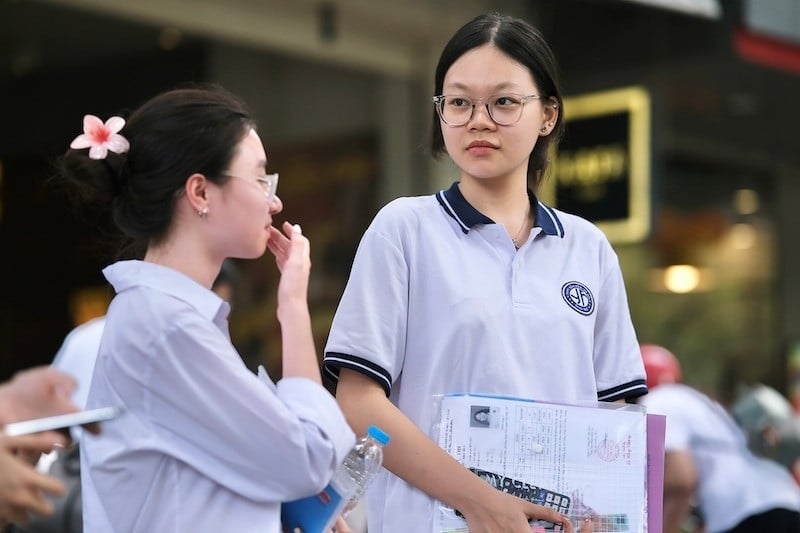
(296, 228)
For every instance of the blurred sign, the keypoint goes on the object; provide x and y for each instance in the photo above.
(602, 167)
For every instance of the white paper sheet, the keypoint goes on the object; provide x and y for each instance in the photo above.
(583, 460)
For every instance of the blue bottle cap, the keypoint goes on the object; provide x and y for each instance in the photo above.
(378, 434)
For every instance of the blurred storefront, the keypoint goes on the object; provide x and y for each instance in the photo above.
(681, 145)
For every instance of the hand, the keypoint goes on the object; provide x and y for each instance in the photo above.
(292, 253)
(34, 393)
(22, 489)
(501, 512)
(341, 526)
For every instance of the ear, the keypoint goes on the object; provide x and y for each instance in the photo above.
(195, 189)
(551, 109)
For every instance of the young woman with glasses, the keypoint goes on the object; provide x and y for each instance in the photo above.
(479, 288)
(204, 444)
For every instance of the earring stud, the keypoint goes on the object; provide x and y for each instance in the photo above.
(203, 212)
(543, 129)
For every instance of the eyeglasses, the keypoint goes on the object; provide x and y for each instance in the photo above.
(268, 182)
(503, 109)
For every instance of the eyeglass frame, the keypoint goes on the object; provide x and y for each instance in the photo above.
(267, 182)
(438, 102)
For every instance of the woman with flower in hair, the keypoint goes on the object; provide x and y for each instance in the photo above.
(204, 444)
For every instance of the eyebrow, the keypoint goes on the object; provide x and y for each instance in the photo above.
(505, 86)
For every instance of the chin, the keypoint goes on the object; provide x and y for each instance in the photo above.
(253, 253)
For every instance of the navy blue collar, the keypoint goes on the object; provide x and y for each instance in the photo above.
(455, 205)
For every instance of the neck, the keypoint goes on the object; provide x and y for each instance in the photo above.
(184, 258)
(499, 200)
(519, 237)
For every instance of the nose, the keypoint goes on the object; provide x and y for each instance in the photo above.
(480, 114)
(275, 205)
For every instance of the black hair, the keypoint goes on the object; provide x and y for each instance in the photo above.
(194, 129)
(525, 44)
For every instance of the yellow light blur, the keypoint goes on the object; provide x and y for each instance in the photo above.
(742, 236)
(681, 279)
(746, 201)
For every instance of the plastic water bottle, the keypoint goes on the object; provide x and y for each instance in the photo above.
(317, 513)
(361, 465)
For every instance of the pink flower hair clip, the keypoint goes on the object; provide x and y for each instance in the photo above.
(99, 138)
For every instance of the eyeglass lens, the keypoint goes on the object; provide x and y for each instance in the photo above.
(502, 109)
(270, 184)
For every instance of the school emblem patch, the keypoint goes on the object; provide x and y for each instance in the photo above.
(579, 297)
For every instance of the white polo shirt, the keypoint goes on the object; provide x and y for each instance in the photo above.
(204, 444)
(439, 301)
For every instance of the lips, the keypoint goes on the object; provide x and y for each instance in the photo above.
(480, 144)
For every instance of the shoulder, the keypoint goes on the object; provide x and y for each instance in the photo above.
(88, 330)
(84, 339)
(578, 235)
(577, 227)
(406, 207)
(405, 215)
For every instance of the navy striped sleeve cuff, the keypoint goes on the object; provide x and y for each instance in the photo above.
(333, 362)
(627, 391)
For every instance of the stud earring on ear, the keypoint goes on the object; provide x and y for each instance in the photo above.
(543, 129)
(203, 212)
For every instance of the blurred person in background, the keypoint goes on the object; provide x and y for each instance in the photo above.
(708, 462)
(771, 425)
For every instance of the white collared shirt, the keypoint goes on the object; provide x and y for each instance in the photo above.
(204, 445)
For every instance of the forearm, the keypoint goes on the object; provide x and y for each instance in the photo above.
(410, 454)
(299, 357)
(680, 484)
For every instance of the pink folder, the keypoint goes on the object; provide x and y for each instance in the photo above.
(656, 425)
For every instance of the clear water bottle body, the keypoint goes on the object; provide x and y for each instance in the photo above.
(318, 512)
(362, 465)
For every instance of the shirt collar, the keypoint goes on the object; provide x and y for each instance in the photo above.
(466, 216)
(124, 275)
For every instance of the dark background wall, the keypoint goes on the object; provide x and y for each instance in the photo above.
(49, 248)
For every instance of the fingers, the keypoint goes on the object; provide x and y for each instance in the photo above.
(14, 515)
(36, 443)
(35, 500)
(47, 484)
(37, 392)
(63, 384)
(280, 242)
(296, 240)
(46, 377)
(341, 526)
(549, 515)
(587, 526)
(23, 490)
